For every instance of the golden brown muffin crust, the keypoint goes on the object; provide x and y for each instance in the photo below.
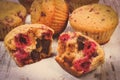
(96, 20)
(53, 13)
(11, 15)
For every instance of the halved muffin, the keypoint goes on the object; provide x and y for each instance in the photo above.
(29, 43)
(78, 54)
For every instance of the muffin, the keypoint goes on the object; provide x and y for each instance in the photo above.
(29, 43)
(96, 20)
(27, 4)
(73, 4)
(11, 15)
(53, 13)
(78, 54)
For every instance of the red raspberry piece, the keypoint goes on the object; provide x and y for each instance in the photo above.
(82, 64)
(89, 48)
(64, 37)
(21, 55)
(22, 40)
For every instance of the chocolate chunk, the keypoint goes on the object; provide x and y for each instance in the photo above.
(91, 9)
(94, 54)
(80, 43)
(108, 10)
(80, 46)
(38, 43)
(35, 55)
(102, 19)
(75, 20)
(43, 14)
(88, 17)
(45, 46)
(80, 38)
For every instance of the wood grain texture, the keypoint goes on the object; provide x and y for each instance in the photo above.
(48, 69)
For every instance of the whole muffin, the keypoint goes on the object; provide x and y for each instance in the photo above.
(96, 20)
(53, 13)
(27, 4)
(73, 4)
(78, 54)
(11, 15)
(29, 43)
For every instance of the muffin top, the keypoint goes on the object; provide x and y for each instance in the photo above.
(94, 17)
(25, 28)
(53, 13)
(11, 13)
(41, 10)
(75, 50)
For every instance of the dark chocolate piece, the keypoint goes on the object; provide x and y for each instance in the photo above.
(35, 55)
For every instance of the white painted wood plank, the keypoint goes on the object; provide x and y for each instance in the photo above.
(48, 69)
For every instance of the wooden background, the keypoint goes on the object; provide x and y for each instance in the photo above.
(48, 69)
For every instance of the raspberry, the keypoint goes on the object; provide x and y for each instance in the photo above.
(81, 39)
(82, 64)
(21, 55)
(64, 37)
(22, 40)
(89, 48)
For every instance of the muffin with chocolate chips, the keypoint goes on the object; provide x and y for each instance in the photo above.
(73, 4)
(96, 20)
(53, 13)
(29, 43)
(27, 4)
(11, 15)
(78, 54)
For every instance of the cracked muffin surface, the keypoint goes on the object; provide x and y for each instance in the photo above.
(97, 21)
(29, 43)
(78, 54)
